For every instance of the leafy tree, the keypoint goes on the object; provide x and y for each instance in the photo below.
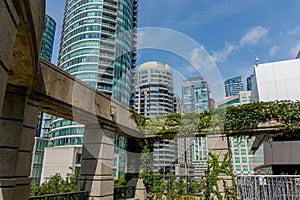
(56, 184)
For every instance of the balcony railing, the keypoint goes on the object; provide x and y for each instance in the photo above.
(63, 196)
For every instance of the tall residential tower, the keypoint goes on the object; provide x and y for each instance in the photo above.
(154, 96)
(98, 47)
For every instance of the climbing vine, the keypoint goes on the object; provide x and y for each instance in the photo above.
(285, 115)
(215, 169)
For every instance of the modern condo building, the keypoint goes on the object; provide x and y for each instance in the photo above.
(153, 97)
(98, 47)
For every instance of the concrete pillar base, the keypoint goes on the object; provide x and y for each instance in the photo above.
(17, 128)
(97, 162)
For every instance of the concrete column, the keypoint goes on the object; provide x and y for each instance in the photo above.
(23, 166)
(97, 162)
(16, 128)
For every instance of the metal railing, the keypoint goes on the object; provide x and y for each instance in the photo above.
(63, 196)
(267, 187)
(124, 192)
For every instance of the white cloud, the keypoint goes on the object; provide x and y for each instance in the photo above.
(273, 50)
(294, 50)
(253, 35)
(221, 56)
(294, 31)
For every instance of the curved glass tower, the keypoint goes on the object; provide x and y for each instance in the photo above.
(98, 47)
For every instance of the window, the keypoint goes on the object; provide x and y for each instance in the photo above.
(243, 152)
(244, 99)
(238, 168)
(236, 152)
(242, 144)
(245, 168)
(244, 159)
(237, 160)
(235, 144)
(78, 158)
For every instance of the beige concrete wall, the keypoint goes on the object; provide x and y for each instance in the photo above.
(59, 159)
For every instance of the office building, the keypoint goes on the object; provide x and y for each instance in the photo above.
(46, 52)
(37, 158)
(178, 104)
(195, 96)
(153, 97)
(242, 160)
(48, 38)
(43, 125)
(241, 98)
(98, 47)
(233, 86)
(249, 82)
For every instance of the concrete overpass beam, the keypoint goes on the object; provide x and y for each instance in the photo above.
(97, 162)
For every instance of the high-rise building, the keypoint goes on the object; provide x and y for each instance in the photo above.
(153, 97)
(154, 89)
(233, 86)
(196, 98)
(48, 38)
(250, 82)
(98, 47)
(195, 94)
(243, 162)
(43, 125)
(46, 52)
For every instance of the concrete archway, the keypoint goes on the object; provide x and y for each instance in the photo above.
(21, 27)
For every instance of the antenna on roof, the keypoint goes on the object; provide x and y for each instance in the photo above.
(256, 61)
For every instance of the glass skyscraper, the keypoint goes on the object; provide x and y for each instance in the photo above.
(250, 82)
(43, 118)
(195, 96)
(48, 38)
(46, 52)
(233, 86)
(98, 47)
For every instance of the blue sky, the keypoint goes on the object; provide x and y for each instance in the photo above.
(232, 32)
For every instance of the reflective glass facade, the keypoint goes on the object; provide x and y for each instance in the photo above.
(195, 96)
(97, 46)
(37, 158)
(48, 38)
(44, 119)
(233, 86)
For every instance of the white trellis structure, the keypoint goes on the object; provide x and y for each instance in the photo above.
(268, 187)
